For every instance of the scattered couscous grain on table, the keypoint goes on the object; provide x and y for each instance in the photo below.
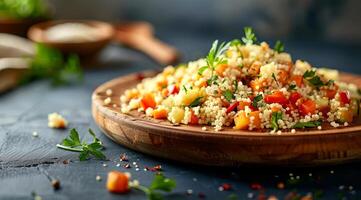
(248, 86)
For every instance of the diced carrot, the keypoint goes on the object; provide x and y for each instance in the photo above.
(276, 97)
(160, 113)
(346, 116)
(254, 68)
(165, 92)
(221, 68)
(242, 105)
(241, 121)
(283, 76)
(298, 79)
(275, 108)
(307, 107)
(162, 83)
(117, 182)
(256, 119)
(148, 101)
(257, 85)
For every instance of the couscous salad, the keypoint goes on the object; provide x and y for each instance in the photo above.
(248, 86)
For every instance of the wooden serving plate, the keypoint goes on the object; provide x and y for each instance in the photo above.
(225, 148)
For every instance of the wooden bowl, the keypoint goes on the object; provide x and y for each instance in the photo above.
(225, 148)
(37, 34)
(17, 26)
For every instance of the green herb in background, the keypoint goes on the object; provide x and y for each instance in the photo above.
(49, 63)
(249, 36)
(279, 47)
(23, 9)
(159, 183)
(73, 143)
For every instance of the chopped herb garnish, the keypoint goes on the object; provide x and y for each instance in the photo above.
(235, 85)
(202, 69)
(307, 124)
(257, 99)
(196, 102)
(73, 143)
(274, 120)
(159, 184)
(228, 95)
(185, 89)
(274, 78)
(212, 80)
(292, 87)
(235, 42)
(214, 57)
(313, 79)
(279, 47)
(249, 36)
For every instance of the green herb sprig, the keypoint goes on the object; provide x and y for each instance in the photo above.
(249, 36)
(24, 9)
(257, 99)
(50, 63)
(274, 120)
(159, 184)
(313, 79)
(73, 143)
(279, 47)
(228, 95)
(196, 102)
(311, 124)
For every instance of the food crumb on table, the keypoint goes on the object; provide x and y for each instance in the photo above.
(55, 120)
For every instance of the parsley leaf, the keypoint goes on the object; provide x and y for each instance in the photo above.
(292, 87)
(257, 99)
(307, 124)
(249, 36)
(235, 42)
(274, 120)
(159, 184)
(212, 80)
(73, 143)
(185, 89)
(202, 69)
(279, 47)
(313, 79)
(228, 95)
(275, 79)
(196, 102)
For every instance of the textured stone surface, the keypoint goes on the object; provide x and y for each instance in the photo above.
(27, 162)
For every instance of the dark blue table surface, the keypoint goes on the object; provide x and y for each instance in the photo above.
(27, 162)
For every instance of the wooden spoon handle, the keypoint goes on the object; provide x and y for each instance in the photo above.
(159, 51)
(146, 43)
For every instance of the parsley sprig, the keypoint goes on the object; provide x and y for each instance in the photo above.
(159, 184)
(257, 99)
(311, 124)
(279, 47)
(73, 143)
(314, 79)
(249, 36)
(213, 59)
(274, 120)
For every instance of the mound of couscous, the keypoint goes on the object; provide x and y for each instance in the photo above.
(246, 85)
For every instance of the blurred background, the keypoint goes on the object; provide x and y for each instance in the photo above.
(312, 30)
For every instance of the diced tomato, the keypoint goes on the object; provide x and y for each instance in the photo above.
(232, 107)
(330, 94)
(307, 107)
(298, 79)
(194, 119)
(173, 89)
(294, 96)
(324, 110)
(344, 97)
(276, 97)
(148, 101)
